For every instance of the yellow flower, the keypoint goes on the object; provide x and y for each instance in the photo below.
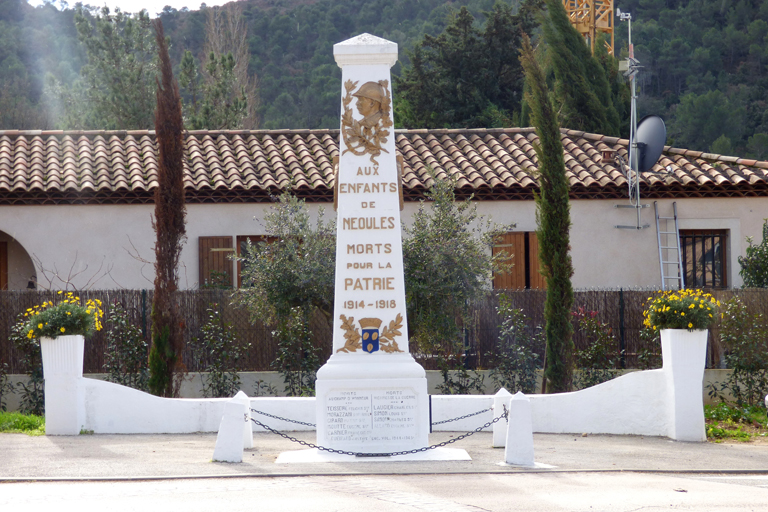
(30, 334)
(62, 329)
(59, 292)
(682, 313)
(39, 326)
(690, 325)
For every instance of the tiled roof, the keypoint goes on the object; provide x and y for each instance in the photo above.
(55, 167)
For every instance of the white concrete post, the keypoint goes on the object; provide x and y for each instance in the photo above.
(500, 399)
(242, 398)
(63, 374)
(519, 449)
(229, 441)
(685, 354)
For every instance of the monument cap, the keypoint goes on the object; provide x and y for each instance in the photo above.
(365, 49)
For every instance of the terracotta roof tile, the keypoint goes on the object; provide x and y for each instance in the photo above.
(238, 165)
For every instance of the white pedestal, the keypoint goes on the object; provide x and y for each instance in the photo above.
(372, 407)
(63, 373)
(685, 355)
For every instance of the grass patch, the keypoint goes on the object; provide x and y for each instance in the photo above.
(17, 423)
(734, 423)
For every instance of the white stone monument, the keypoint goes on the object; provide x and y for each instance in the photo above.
(371, 394)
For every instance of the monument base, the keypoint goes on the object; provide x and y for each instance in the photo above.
(377, 406)
(315, 455)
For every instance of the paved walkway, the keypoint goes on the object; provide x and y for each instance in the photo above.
(141, 457)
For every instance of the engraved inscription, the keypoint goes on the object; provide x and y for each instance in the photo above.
(371, 415)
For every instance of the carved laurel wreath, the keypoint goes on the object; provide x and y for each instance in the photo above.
(356, 139)
(387, 341)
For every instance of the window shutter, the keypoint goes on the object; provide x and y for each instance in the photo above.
(3, 265)
(536, 279)
(215, 262)
(514, 245)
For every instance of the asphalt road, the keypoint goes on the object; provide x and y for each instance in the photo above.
(593, 473)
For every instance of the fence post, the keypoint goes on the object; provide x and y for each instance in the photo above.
(622, 341)
(144, 313)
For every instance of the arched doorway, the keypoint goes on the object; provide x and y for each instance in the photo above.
(17, 272)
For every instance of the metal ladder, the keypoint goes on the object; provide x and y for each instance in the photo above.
(669, 243)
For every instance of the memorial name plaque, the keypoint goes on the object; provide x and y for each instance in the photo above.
(371, 394)
(359, 416)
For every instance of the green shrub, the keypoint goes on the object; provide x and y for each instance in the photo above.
(745, 338)
(18, 423)
(516, 355)
(31, 362)
(649, 351)
(218, 352)
(5, 387)
(754, 265)
(298, 359)
(127, 351)
(598, 362)
(457, 380)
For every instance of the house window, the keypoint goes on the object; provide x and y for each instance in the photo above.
(704, 257)
(523, 251)
(215, 261)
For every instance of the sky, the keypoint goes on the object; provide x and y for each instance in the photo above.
(153, 7)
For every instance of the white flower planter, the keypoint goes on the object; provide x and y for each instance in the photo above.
(685, 355)
(63, 373)
(63, 355)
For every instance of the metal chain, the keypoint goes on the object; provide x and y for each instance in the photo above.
(284, 419)
(313, 425)
(390, 454)
(462, 417)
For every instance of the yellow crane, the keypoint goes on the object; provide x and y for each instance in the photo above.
(590, 17)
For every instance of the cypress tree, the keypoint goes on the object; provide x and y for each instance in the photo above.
(554, 220)
(582, 90)
(167, 340)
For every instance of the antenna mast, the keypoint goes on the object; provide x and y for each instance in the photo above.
(631, 67)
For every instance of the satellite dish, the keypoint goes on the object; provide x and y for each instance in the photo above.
(651, 136)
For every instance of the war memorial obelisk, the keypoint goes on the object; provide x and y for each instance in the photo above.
(371, 394)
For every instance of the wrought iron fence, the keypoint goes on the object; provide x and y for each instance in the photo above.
(621, 310)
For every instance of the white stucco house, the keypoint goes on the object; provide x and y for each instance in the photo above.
(76, 207)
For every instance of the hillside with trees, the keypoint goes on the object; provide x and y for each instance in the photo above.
(705, 64)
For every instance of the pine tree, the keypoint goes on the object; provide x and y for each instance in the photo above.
(554, 221)
(467, 77)
(116, 88)
(167, 325)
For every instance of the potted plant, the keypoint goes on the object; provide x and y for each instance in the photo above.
(682, 317)
(61, 327)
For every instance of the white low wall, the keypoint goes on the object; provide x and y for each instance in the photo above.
(114, 409)
(633, 403)
(630, 404)
(665, 402)
(192, 384)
